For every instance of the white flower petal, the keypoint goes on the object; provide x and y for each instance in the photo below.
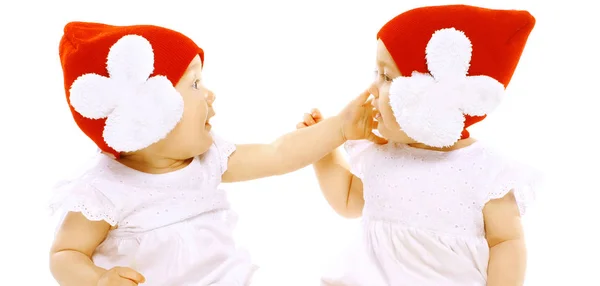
(483, 94)
(146, 117)
(406, 89)
(448, 54)
(427, 111)
(406, 94)
(131, 58)
(433, 125)
(94, 96)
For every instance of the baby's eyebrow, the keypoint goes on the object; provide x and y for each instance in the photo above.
(191, 74)
(193, 68)
(382, 65)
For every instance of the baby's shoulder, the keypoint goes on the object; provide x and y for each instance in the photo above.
(99, 169)
(498, 173)
(95, 191)
(495, 161)
(215, 159)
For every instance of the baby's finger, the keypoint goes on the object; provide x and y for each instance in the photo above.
(308, 119)
(376, 139)
(316, 114)
(300, 125)
(131, 274)
(375, 124)
(362, 98)
(126, 282)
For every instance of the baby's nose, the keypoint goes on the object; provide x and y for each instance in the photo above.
(210, 97)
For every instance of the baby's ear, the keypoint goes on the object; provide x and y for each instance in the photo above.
(482, 95)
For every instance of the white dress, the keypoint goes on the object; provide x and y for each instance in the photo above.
(422, 221)
(174, 228)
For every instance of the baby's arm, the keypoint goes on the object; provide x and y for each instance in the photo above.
(287, 154)
(342, 190)
(71, 252)
(302, 147)
(504, 234)
(73, 246)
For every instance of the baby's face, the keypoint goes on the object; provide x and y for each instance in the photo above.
(191, 137)
(386, 72)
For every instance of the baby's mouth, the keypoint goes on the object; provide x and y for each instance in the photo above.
(376, 113)
(207, 125)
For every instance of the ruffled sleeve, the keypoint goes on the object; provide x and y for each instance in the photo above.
(83, 196)
(224, 149)
(356, 151)
(521, 179)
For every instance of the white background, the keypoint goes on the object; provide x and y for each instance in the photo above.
(269, 62)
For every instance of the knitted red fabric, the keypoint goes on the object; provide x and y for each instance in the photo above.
(498, 38)
(84, 49)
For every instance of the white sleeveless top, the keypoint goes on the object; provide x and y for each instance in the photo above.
(422, 220)
(174, 228)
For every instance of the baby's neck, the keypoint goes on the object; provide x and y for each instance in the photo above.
(458, 145)
(153, 165)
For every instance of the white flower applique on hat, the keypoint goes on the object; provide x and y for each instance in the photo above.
(139, 110)
(430, 108)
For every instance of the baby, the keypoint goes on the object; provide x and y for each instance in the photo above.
(438, 207)
(150, 209)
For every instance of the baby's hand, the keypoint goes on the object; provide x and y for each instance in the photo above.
(310, 119)
(358, 120)
(121, 276)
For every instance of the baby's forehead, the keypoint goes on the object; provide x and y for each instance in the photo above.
(195, 67)
(195, 64)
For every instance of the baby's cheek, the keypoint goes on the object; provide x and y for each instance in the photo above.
(386, 112)
(197, 110)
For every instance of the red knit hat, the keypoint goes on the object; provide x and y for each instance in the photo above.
(441, 44)
(119, 81)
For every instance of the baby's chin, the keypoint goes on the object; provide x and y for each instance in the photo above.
(195, 145)
(204, 144)
(393, 136)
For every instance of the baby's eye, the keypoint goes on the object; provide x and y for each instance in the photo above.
(196, 84)
(382, 76)
(387, 77)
